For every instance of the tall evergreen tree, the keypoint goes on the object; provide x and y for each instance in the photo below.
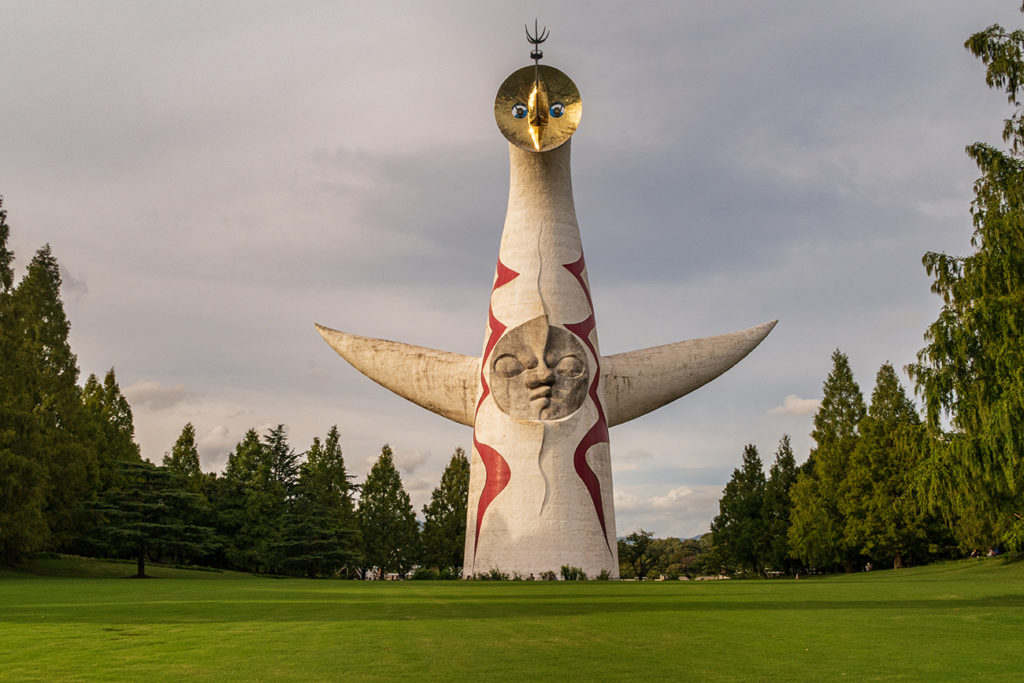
(739, 528)
(6, 255)
(45, 376)
(246, 505)
(444, 518)
(971, 368)
(386, 518)
(184, 457)
(23, 476)
(112, 435)
(112, 420)
(320, 533)
(283, 461)
(817, 529)
(778, 505)
(883, 517)
(325, 468)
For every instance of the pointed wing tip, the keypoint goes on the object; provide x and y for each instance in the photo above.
(765, 328)
(327, 331)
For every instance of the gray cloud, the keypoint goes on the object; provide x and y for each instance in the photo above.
(72, 285)
(223, 179)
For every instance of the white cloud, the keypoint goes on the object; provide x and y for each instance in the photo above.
(794, 405)
(682, 511)
(154, 396)
(214, 447)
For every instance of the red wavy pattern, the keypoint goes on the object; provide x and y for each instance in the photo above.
(496, 467)
(598, 433)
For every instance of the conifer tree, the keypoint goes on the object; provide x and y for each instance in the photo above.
(153, 512)
(6, 255)
(817, 529)
(112, 435)
(386, 519)
(45, 377)
(883, 517)
(23, 526)
(971, 368)
(320, 534)
(283, 461)
(739, 528)
(112, 420)
(444, 518)
(238, 517)
(778, 505)
(184, 457)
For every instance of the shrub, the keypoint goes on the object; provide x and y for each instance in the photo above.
(573, 573)
(424, 574)
(494, 574)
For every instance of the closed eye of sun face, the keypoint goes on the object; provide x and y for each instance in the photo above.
(537, 109)
(570, 366)
(507, 365)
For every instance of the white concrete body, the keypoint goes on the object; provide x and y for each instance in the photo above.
(541, 398)
(540, 490)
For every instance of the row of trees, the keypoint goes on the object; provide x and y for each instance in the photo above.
(859, 498)
(72, 477)
(51, 443)
(275, 511)
(641, 556)
(881, 485)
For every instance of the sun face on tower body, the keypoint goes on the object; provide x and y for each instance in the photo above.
(537, 108)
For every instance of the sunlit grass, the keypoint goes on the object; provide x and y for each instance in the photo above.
(959, 620)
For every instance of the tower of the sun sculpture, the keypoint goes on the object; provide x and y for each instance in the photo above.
(541, 397)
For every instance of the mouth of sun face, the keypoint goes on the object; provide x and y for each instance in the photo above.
(542, 393)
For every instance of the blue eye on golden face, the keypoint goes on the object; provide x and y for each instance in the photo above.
(557, 109)
(519, 110)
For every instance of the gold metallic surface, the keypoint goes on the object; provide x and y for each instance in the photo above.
(538, 130)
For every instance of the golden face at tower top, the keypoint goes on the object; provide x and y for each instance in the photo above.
(538, 108)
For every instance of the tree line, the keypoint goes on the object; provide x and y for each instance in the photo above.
(882, 485)
(859, 500)
(72, 478)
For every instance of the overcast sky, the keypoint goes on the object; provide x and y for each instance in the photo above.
(215, 177)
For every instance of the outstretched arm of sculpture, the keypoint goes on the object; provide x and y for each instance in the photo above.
(638, 382)
(442, 382)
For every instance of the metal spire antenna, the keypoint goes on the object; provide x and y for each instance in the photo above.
(538, 37)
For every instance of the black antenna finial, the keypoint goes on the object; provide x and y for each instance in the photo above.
(538, 37)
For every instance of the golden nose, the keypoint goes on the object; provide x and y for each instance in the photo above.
(538, 105)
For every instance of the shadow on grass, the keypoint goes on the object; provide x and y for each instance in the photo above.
(337, 609)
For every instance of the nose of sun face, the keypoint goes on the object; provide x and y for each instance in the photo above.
(538, 111)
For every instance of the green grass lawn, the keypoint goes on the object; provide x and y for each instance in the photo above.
(948, 621)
